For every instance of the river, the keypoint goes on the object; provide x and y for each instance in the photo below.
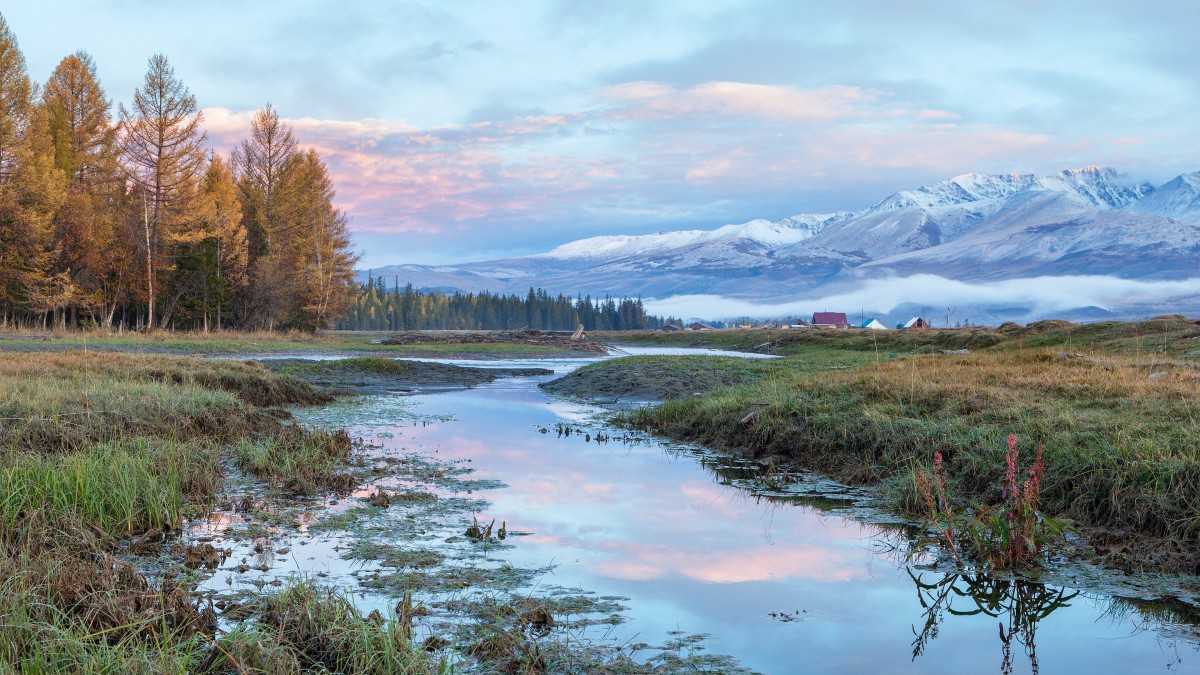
(705, 558)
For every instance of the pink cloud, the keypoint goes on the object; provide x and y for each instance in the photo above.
(740, 99)
(647, 151)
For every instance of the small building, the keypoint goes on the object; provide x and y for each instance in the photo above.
(830, 320)
(669, 327)
(699, 326)
(873, 324)
(798, 323)
(914, 323)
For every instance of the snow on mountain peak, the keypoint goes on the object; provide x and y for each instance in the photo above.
(1178, 199)
(623, 244)
(1098, 186)
(764, 232)
(967, 188)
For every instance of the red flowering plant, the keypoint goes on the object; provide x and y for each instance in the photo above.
(1012, 533)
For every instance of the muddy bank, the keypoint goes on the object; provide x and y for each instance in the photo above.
(377, 374)
(537, 338)
(640, 379)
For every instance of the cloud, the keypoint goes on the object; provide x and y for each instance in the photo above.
(1041, 295)
(739, 99)
(642, 155)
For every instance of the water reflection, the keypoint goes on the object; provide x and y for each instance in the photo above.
(734, 550)
(1019, 605)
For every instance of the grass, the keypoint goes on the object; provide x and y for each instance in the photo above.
(235, 342)
(308, 627)
(795, 342)
(378, 365)
(1120, 428)
(672, 377)
(96, 447)
(123, 487)
(64, 402)
(299, 459)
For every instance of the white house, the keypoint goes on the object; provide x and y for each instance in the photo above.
(873, 324)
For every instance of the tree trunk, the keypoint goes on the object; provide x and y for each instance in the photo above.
(149, 266)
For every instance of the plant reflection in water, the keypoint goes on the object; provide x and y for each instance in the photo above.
(1018, 603)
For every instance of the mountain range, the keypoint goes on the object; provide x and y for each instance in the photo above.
(973, 229)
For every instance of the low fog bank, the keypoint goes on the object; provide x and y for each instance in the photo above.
(894, 299)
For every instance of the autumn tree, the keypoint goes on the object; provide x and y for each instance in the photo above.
(312, 242)
(85, 152)
(162, 145)
(29, 198)
(259, 162)
(16, 98)
(27, 189)
(299, 247)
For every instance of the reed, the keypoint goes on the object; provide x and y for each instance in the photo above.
(123, 487)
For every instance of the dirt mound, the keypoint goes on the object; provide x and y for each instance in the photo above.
(561, 340)
(1046, 325)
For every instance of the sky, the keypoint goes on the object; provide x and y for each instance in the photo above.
(466, 130)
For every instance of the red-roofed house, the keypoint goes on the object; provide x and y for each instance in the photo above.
(830, 320)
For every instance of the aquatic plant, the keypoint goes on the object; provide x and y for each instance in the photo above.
(1012, 533)
(310, 627)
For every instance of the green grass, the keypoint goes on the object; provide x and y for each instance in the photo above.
(366, 364)
(123, 487)
(95, 447)
(307, 627)
(299, 459)
(795, 342)
(485, 349)
(63, 402)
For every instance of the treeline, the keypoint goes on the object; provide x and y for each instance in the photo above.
(129, 220)
(376, 307)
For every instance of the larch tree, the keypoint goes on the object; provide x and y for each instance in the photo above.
(16, 99)
(163, 148)
(29, 198)
(314, 241)
(24, 236)
(259, 162)
(85, 151)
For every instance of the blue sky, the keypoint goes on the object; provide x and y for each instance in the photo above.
(467, 130)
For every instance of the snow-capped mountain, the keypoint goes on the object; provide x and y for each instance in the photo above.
(756, 232)
(1178, 199)
(1089, 221)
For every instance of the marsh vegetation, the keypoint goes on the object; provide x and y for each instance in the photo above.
(1113, 405)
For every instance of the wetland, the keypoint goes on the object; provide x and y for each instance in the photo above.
(442, 521)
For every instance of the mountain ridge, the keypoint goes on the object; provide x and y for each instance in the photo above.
(1091, 221)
